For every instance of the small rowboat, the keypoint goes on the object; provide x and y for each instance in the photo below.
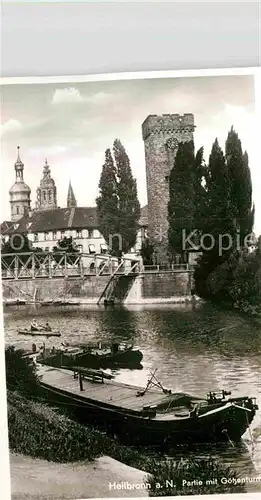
(38, 333)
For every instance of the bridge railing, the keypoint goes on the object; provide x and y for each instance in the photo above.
(33, 265)
(168, 267)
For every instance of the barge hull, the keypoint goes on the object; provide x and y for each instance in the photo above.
(135, 428)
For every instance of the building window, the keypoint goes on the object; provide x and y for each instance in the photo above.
(91, 249)
(36, 237)
(17, 210)
(78, 233)
(104, 249)
(96, 233)
(50, 195)
(62, 234)
(54, 235)
(46, 236)
(44, 195)
(90, 233)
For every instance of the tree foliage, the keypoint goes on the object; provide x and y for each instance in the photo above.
(20, 372)
(117, 204)
(107, 202)
(18, 244)
(186, 207)
(241, 208)
(229, 218)
(147, 252)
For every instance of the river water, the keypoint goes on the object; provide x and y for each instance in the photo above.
(195, 349)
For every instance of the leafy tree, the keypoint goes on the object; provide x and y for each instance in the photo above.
(245, 287)
(147, 252)
(20, 372)
(66, 245)
(18, 244)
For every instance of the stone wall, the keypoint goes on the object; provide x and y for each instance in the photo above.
(161, 287)
(84, 290)
(158, 287)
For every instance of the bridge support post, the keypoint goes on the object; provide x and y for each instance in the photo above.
(33, 266)
(49, 266)
(16, 269)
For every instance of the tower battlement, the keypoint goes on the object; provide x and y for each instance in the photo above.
(167, 123)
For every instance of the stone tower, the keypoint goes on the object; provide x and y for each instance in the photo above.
(19, 192)
(161, 135)
(46, 192)
(71, 200)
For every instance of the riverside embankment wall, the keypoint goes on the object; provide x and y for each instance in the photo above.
(168, 286)
(153, 287)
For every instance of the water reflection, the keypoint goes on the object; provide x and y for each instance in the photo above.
(195, 350)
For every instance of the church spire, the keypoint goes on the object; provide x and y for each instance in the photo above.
(19, 192)
(71, 200)
(46, 193)
(19, 167)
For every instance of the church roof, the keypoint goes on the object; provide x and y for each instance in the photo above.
(56, 219)
(6, 225)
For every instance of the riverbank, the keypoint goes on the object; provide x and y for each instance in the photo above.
(37, 479)
(65, 457)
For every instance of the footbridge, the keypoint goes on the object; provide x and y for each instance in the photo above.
(44, 277)
(35, 265)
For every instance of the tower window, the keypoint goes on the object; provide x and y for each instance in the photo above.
(50, 195)
(17, 210)
(44, 195)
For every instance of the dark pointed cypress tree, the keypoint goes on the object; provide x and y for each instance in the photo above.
(128, 203)
(229, 211)
(241, 208)
(181, 199)
(217, 218)
(200, 195)
(107, 202)
(247, 208)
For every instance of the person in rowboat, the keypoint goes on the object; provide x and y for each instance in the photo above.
(34, 325)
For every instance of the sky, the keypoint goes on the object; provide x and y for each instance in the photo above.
(71, 125)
